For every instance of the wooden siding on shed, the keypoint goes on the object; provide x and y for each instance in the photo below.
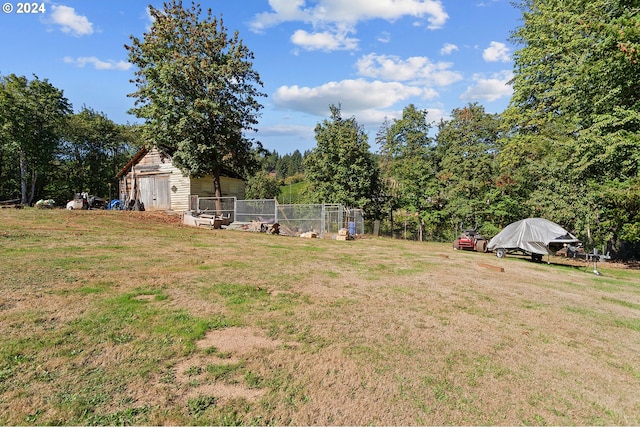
(231, 187)
(181, 187)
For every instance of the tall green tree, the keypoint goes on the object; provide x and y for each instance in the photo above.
(93, 150)
(32, 116)
(467, 146)
(341, 169)
(290, 164)
(268, 160)
(197, 91)
(573, 124)
(409, 161)
(297, 163)
(389, 194)
(261, 185)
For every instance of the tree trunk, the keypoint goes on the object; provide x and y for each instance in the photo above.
(33, 187)
(23, 179)
(391, 220)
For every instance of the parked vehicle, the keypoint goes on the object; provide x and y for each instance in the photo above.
(86, 201)
(471, 240)
(531, 236)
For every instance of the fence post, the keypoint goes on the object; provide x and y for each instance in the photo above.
(194, 203)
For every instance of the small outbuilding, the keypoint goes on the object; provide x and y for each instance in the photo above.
(152, 178)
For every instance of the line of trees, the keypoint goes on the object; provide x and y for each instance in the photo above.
(47, 151)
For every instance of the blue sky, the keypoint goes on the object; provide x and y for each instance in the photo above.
(373, 57)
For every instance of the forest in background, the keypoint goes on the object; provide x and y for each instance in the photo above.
(567, 148)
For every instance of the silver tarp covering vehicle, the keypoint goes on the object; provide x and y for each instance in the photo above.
(535, 236)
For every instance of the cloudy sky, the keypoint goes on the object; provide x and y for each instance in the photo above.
(371, 57)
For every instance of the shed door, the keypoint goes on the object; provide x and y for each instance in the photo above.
(154, 192)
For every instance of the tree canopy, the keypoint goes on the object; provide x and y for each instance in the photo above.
(409, 162)
(341, 168)
(32, 115)
(47, 151)
(572, 129)
(197, 91)
(92, 152)
(467, 146)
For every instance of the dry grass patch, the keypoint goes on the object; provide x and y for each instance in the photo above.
(131, 318)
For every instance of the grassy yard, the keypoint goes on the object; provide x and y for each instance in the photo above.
(131, 318)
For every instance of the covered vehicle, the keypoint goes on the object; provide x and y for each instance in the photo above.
(534, 236)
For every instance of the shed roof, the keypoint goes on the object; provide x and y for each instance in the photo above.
(131, 163)
(144, 150)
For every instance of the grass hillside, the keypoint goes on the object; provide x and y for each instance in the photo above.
(293, 193)
(131, 318)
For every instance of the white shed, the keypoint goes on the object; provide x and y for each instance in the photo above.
(162, 186)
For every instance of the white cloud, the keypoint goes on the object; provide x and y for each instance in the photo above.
(323, 41)
(351, 12)
(485, 4)
(370, 102)
(497, 52)
(489, 88)
(384, 37)
(98, 64)
(70, 21)
(287, 130)
(415, 68)
(448, 49)
(355, 96)
(283, 11)
(341, 17)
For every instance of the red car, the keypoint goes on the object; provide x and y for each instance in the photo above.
(471, 240)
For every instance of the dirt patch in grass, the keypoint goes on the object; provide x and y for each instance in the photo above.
(216, 370)
(153, 216)
(237, 340)
(225, 393)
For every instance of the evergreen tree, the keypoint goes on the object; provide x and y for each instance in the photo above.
(340, 168)
(467, 146)
(409, 164)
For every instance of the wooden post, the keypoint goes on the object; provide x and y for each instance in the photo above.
(491, 267)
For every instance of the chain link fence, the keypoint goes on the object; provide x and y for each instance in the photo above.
(294, 219)
(263, 211)
(224, 207)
